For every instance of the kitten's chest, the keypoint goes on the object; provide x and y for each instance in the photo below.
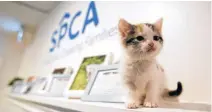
(143, 68)
(135, 70)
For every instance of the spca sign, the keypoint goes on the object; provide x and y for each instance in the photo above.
(65, 28)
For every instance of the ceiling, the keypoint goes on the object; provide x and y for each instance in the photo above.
(27, 13)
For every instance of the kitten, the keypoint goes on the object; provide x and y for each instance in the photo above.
(142, 75)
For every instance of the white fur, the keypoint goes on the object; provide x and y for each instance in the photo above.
(141, 74)
(143, 78)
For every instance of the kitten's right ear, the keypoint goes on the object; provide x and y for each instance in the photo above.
(124, 28)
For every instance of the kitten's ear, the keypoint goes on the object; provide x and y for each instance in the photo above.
(124, 28)
(158, 24)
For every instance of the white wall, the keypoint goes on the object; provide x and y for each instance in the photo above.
(11, 53)
(186, 53)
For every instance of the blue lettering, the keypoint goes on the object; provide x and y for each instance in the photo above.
(71, 35)
(54, 42)
(94, 18)
(59, 34)
(63, 27)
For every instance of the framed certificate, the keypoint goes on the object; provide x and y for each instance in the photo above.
(40, 85)
(20, 87)
(79, 80)
(62, 71)
(58, 71)
(57, 85)
(105, 85)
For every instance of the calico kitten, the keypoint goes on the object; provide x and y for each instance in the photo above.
(142, 75)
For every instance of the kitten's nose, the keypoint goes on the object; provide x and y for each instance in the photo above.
(151, 44)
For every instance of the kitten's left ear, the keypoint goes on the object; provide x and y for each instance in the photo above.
(158, 24)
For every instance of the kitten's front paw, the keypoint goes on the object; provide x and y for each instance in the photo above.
(150, 104)
(133, 105)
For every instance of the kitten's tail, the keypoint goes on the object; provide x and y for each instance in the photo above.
(178, 91)
(174, 93)
(170, 97)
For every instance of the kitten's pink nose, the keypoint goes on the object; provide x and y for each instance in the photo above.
(151, 44)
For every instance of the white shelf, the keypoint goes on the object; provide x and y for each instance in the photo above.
(25, 106)
(75, 104)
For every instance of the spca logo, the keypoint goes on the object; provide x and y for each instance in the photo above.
(65, 27)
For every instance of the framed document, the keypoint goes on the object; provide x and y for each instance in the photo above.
(58, 71)
(40, 85)
(62, 71)
(105, 85)
(20, 87)
(57, 85)
(79, 80)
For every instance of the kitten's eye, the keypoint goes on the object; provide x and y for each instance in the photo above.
(130, 40)
(140, 38)
(156, 38)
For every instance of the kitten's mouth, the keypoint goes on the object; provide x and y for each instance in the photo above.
(151, 49)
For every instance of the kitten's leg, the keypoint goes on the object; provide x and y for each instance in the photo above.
(152, 95)
(134, 100)
(134, 97)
